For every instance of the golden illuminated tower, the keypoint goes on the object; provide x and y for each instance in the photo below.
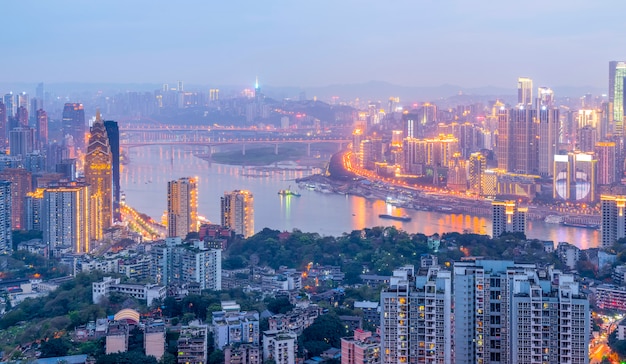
(98, 174)
(238, 212)
(182, 207)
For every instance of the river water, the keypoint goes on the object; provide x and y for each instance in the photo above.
(144, 182)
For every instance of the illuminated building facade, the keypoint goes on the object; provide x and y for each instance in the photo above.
(6, 233)
(547, 138)
(586, 138)
(503, 147)
(617, 73)
(74, 123)
(21, 184)
(477, 165)
(33, 204)
(237, 212)
(506, 312)
(65, 217)
(457, 173)
(575, 177)
(416, 317)
(613, 219)
(182, 207)
(523, 143)
(434, 152)
(607, 162)
(507, 217)
(525, 91)
(98, 175)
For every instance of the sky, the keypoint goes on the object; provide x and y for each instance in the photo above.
(470, 43)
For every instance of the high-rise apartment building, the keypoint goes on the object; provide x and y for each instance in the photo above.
(192, 344)
(508, 217)
(98, 175)
(525, 91)
(416, 317)
(6, 233)
(113, 133)
(280, 347)
(547, 138)
(4, 126)
(21, 141)
(617, 73)
(362, 348)
(517, 313)
(237, 209)
(175, 262)
(607, 162)
(477, 165)
(42, 129)
(613, 219)
(523, 142)
(182, 207)
(9, 101)
(74, 124)
(21, 185)
(65, 217)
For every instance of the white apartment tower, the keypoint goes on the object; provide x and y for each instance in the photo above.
(182, 207)
(416, 317)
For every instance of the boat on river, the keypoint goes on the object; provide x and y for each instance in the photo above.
(404, 218)
(289, 192)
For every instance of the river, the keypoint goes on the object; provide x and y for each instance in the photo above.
(144, 182)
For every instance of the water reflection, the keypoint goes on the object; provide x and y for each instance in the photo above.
(145, 179)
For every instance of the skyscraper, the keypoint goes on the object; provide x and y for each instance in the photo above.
(182, 207)
(21, 141)
(548, 138)
(607, 159)
(613, 219)
(617, 73)
(6, 233)
(22, 117)
(74, 123)
(524, 91)
(65, 217)
(42, 129)
(113, 132)
(507, 217)
(575, 177)
(477, 166)
(416, 317)
(98, 175)
(237, 209)
(524, 146)
(4, 126)
(21, 184)
(9, 101)
(518, 313)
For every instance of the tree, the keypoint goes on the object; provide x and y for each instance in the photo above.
(327, 329)
(279, 305)
(130, 357)
(54, 347)
(216, 357)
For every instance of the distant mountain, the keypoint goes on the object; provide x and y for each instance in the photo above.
(368, 91)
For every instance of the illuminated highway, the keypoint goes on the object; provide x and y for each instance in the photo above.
(142, 224)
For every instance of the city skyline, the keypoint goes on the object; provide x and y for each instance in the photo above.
(311, 45)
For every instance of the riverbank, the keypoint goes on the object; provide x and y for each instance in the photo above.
(345, 181)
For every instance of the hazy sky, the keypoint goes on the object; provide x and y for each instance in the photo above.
(313, 43)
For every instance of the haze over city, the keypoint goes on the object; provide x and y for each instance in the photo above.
(312, 44)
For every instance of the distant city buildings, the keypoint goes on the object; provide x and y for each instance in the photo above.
(74, 124)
